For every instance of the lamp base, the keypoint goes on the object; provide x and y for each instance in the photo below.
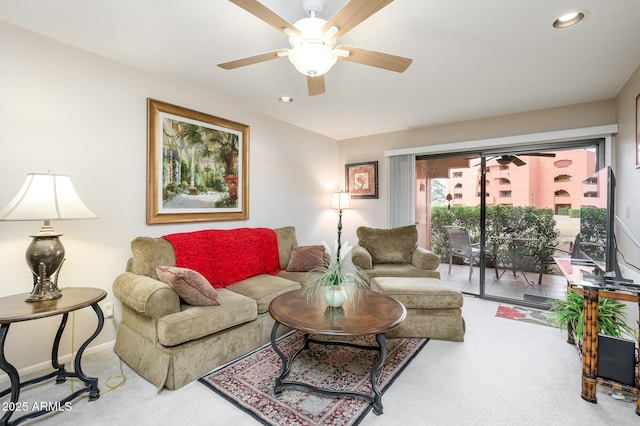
(45, 256)
(46, 290)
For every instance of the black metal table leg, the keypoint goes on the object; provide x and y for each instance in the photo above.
(13, 376)
(91, 382)
(61, 371)
(375, 374)
(277, 387)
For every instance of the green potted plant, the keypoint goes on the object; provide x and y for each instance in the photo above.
(611, 317)
(331, 285)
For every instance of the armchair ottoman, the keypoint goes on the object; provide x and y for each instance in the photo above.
(434, 309)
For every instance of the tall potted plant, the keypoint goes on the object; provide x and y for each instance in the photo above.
(332, 285)
(612, 320)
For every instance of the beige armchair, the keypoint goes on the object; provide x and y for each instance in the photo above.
(392, 253)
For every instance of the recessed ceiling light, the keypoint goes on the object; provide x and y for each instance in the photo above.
(285, 99)
(568, 20)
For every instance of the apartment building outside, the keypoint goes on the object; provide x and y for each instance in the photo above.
(543, 182)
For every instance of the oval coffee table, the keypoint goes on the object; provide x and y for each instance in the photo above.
(374, 315)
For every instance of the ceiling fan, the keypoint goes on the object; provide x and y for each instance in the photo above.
(507, 159)
(504, 160)
(313, 40)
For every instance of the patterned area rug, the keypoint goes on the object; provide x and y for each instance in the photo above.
(526, 314)
(248, 381)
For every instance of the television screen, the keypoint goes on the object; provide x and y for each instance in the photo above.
(597, 218)
(594, 215)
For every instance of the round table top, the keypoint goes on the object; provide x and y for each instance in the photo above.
(375, 314)
(15, 309)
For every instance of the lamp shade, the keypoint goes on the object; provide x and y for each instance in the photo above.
(341, 201)
(46, 197)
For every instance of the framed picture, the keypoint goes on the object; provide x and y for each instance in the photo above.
(197, 166)
(362, 179)
(637, 131)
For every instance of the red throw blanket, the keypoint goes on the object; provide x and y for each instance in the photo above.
(224, 257)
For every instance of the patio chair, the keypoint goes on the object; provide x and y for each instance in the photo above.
(459, 245)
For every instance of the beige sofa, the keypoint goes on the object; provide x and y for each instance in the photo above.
(171, 343)
(392, 253)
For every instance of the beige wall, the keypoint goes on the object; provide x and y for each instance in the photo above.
(627, 174)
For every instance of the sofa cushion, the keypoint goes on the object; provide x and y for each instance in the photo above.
(286, 241)
(306, 258)
(263, 289)
(194, 322)
(149, 253)
(389, 245)
(190, 285)
(399, 270)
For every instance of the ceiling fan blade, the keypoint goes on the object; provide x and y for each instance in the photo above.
(352, 13)
(486, 161)
(375, 59)
(253, 59)
(517, 161)
(540, 154)
(262, 12)
(316, 85)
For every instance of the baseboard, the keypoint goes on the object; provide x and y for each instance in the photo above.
(46, 365)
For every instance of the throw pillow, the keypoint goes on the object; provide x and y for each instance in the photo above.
(306, 258)
(190, 285)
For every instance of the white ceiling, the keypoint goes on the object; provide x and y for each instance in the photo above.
(471, 59)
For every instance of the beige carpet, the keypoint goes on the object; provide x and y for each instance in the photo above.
(505, 373)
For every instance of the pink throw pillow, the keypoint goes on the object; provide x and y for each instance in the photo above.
(190, 285)
(306, 258)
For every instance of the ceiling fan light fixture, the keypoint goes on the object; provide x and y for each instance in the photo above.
(312, 52)
(312, 58)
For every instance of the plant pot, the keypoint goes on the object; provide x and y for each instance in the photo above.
(335, 296)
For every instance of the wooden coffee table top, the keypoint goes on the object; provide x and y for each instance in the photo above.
(375, 314)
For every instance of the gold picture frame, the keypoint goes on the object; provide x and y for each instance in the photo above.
(361, 179)
(197, 166)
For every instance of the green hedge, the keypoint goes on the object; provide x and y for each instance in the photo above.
(574, 213)
(521, 222)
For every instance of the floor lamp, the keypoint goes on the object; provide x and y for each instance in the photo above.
(340, 201)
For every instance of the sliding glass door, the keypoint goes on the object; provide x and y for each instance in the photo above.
(517, 208)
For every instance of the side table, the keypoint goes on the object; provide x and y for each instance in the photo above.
(589, 354)
(15, 309)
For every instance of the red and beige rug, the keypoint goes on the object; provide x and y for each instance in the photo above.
(248, 381)
(529, 315)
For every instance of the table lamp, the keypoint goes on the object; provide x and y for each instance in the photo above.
(45, 197)
(340, 201)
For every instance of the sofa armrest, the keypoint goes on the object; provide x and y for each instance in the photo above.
(422, 258)
(361, 258)
(146, 295)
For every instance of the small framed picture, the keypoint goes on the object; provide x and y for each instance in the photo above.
(361, 179)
